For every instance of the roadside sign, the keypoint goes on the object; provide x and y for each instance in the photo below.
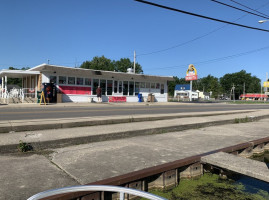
(266, 84)
(191, 73)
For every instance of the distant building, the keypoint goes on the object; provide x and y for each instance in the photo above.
(253, 97)
(183, 92)
(204, 95)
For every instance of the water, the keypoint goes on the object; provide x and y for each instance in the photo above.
(209, 186)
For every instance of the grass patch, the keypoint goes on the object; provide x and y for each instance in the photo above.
(24, 147)
(210, 187)
(242, 120)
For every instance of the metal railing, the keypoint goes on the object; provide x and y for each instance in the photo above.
(105, 188)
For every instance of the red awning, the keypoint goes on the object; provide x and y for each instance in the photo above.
(254, 96)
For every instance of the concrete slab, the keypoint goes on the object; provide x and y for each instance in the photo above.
(248, 167)
(21, 176)
(44, 124)
(69, 136)
(97, 161)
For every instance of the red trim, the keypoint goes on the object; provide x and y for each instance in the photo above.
(117, 99)
(75, 90)
(254, 96)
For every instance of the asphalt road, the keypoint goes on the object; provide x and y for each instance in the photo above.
(46, 112)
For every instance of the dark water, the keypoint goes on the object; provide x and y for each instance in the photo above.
(209, 186)
(253, 185)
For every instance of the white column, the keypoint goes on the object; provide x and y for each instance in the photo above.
(2, 87)
(5, 86)
(113, 82)
(190, 90)
(35, 86)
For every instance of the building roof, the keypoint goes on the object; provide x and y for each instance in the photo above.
(90, 72)
(17, 73)
(182, 87)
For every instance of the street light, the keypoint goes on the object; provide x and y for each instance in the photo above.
(262, 21)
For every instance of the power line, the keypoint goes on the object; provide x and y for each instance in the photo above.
(181, 44)
(201, 16)
(197, 38)
(251, 8)
(239, 9)
(218, 59)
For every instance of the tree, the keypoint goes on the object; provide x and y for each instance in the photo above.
(172, 84)
(103, 63)
(124, 63)
(15, 81)
(239, 80)
(98, 63)
(210, 84)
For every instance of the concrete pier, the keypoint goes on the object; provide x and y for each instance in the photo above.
(238, 164)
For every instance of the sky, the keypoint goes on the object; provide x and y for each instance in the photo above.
(69, 32)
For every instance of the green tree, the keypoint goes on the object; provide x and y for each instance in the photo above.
(210, 84)
(239, 80)
(124, 63)
(98, 63)
(15, 81)
(103, 63)
(172, 84)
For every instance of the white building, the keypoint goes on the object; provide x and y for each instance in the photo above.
(79, 85)
(183, 92)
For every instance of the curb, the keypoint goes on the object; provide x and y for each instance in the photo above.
(119, 135)
(59, 125)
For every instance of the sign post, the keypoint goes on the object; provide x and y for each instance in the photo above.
(191, 75)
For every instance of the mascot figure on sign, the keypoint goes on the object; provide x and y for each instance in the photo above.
(191, 70)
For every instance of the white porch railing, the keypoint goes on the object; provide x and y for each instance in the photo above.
(106, 188)
(29, 92)
(17, 93)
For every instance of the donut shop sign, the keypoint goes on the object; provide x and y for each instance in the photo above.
(191, 74)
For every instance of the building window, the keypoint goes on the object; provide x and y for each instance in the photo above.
(109, 87)
(137, 89)
(152, 85)
(120, 86)
(95, 85)
(103, 86)
(157, 85)
(62, 79)
(115, 86)
(162, 88)
(125, 87)
(88, 81)
(147, 85)
(142, 85)
(53, 79)
(71, 80)
(131, 88)
(80, 81)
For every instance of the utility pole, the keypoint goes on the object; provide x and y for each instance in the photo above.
(266, 81)
(261, 91)
(244, 91)
(48, 61)
(233, 92)
(134, 61)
